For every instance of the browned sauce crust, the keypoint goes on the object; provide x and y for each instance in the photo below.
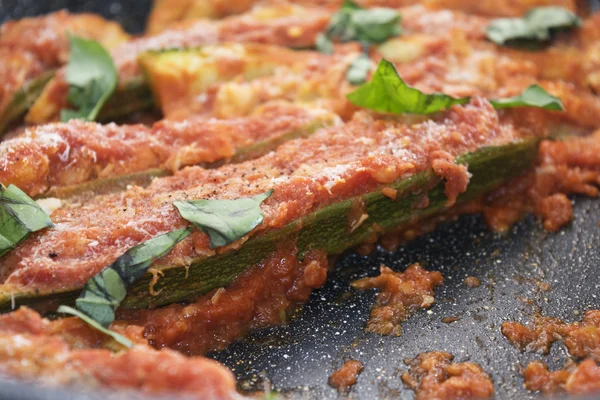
(56, 155)
(346, 376)
(433, 376)
(401, 295)
(68, 351)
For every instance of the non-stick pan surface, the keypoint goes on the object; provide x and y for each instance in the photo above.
(297, 358)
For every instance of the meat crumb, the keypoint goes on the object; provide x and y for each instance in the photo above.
(472, 282)
(573, 379)
(433, 375)
(345, 377)
(401, 295)
(449, 320)
(582, 339)
(569, 166)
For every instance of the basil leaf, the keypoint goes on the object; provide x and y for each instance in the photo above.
(537, 25)
(533, 96)
(387, 92)
(19, 216)
(350, 5)
(368, 26)
(376, 25)
(105, 291)
(119, 338)
(92, 78)
(224, 221)
(359, 70)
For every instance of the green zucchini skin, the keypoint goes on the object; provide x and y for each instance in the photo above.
(23, 99)
(135, 95)
(326, 229)
(132, 96)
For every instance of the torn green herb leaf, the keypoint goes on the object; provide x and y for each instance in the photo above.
(20, 215)
(359, 70)
(533, 96)
(387, 92)
(92, 78)
(105, 291)
(368, 26)
(537, 25)
(224, 221)
(119, 338)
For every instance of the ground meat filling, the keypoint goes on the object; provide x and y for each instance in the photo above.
(345, 377)
(582, 340)
(261, 296)
(401, 295)
(69, 352)
(575, 379)
(567, 166)
(433, 376)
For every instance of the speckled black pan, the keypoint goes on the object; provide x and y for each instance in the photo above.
(328, 330)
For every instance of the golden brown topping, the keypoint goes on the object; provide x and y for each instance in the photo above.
(433, 376)
(401, 295)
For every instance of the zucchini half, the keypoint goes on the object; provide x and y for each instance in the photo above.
(25, 97)
(144, 178)
(326, 229)
(172, 74)
(179, 76)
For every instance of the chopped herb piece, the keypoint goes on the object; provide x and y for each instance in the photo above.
(368, 26)
(119, 338)
(537, 25)
(92, 78)
(324, 44)
(224, 221)
(533, 96)
(19, 216)
(105, 291)
(359, 70)
(387, 92)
